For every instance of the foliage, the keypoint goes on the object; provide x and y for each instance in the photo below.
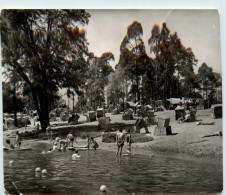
(9, 106)
(97, 78)
(170, 56)
(133, 57)
(41, 46)
(209, 80)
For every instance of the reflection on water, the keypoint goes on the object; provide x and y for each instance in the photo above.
(136, 173)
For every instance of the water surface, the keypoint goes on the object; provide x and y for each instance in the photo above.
(133, 174)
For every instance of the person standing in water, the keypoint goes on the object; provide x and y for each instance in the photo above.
(18, 140)
(93, 143)
(70, 139)
(128, 141)
(120, 138)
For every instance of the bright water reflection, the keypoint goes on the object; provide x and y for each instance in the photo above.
(136, 173)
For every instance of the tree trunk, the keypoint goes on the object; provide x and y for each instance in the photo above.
(14, 105)
(137, 86)
(73, 102)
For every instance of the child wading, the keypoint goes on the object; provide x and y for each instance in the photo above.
(93, 143)
(128, 141)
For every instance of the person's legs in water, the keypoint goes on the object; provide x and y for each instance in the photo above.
(117, 152)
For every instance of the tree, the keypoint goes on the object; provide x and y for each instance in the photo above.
(116, 86)
(209, 80)
(9, 103)
(97, 78)
(131, 51)
(41, 45)
(170, 56)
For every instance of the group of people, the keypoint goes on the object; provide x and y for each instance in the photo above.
(17, 143)
(68, 143)
(120, 140)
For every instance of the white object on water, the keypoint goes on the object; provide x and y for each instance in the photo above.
(103, 188)
(44, 171)
(38, 169)
(11, 162)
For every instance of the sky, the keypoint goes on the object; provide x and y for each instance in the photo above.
(198, 29)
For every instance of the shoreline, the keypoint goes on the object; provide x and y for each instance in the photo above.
(185, 143)
(141, 151)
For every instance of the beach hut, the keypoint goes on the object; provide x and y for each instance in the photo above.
(179, 112)
(150, 117)
(100, 112)
(9, 123)
(91, 116)
(216, 111)
(104, 123)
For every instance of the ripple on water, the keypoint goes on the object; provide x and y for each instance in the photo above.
(136, 173)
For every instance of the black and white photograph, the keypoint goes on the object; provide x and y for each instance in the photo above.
(111, 101)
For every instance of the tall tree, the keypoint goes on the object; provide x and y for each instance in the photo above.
(131, 51)
(40, 46)
(97, 77)
(170, 56)
(209, 80)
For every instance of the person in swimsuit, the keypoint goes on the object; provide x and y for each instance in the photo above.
(128, 141)
(120, 138)
(70, 139)
(88, 142)
(18, 140)
(49, 133)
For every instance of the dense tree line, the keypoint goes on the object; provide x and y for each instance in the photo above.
(47, 50)
(168, 73)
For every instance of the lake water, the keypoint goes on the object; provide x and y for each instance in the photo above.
(133, 174)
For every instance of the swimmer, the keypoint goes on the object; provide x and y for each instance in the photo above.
(64, 148)
(75, 155)
(57, 138)
(11, 146)
(62, 143)
(120, 138)
(93, 143)
(55, 146)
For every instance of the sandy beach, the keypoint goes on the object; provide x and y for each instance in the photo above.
(186, 140)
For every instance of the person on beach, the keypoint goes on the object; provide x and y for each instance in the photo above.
(70, 139)
(18, 140)
(36, 129)
(93, 143)
(218, 133)
(120, 138)
(128, 141)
